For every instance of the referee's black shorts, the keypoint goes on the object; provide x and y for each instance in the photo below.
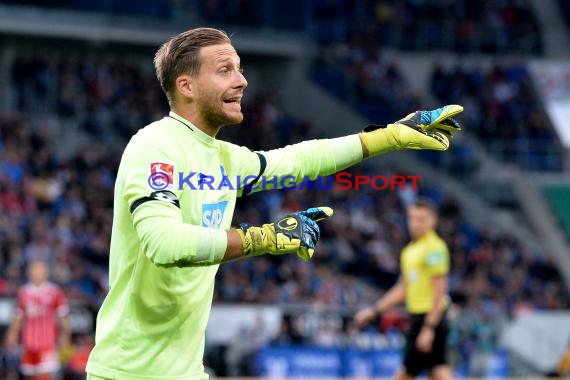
(416, 361)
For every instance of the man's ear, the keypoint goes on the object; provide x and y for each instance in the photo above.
(184, 86)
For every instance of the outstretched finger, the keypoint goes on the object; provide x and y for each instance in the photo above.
(318, 213)
(440, 114)
(450, 124)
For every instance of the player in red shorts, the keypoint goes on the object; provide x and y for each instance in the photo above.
(41, 313)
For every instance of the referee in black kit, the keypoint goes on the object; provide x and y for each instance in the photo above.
(423, 283)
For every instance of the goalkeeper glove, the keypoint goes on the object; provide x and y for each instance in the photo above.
(418, 130)
(295, 233)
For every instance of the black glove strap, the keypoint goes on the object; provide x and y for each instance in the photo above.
(373, 127)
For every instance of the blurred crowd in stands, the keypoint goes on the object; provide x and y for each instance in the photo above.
(60, 209)
(163, 9)
(502, 110)
(106, 98)
(508, 26)
(352, 36)
(359, 75)
(289, 15)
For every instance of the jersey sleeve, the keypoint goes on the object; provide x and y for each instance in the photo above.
(148, 171)
(149, 187)
(437, 260)
(61, 306)
(280, 168)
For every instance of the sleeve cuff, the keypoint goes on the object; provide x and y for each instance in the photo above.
(212, 248)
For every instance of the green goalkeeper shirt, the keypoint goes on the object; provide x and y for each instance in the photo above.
(169, 234)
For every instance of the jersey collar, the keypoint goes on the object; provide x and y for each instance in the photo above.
(37, 288)
(427, 235)
(196, 132)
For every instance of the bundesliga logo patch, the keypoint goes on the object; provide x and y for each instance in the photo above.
(165, 171)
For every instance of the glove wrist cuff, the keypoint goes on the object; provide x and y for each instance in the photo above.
(252, 237)
(378, 141)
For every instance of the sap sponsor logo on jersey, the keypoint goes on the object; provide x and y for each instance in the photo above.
(213, 214)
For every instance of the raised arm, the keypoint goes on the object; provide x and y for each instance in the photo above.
(279, 168)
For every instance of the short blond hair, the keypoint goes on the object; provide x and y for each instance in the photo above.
(427, 204)
(181, 55)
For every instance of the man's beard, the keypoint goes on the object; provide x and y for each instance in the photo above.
(212, 113)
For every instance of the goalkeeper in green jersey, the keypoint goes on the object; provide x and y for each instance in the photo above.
(167, 243)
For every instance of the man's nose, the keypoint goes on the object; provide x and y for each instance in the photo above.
(241, 81)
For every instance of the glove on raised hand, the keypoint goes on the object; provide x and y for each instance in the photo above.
(418, 130)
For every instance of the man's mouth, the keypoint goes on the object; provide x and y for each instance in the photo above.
(236, 100)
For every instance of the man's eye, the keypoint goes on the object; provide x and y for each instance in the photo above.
(240, 70)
